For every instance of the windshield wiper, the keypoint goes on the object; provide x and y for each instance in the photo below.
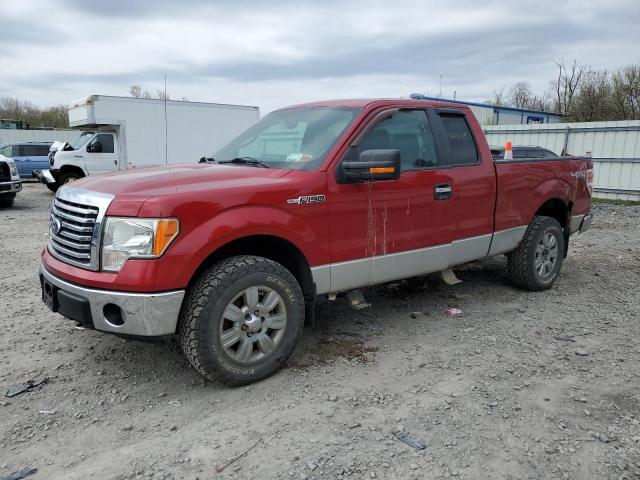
(247, 161)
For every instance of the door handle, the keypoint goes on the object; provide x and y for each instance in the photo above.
(115, 162)
(78, 156)
(442, 191)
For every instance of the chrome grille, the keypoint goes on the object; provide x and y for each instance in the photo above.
(76, 226)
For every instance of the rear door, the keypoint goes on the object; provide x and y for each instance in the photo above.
(473, 183)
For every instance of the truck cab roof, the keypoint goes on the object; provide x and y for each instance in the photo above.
(372, 103)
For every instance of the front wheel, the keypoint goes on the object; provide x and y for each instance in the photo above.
(7, 202)
(241, 320)
(537, 261)
(67, 178)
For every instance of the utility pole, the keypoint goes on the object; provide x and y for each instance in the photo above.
(440, 94)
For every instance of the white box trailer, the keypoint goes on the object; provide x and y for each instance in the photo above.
(124, 132)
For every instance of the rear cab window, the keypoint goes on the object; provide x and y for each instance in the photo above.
(456, 143)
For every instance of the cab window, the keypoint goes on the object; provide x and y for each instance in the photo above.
(105, 140)
(407, 131)
(462, 148)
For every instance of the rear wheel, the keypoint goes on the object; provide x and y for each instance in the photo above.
(241, 320)
(537, 261)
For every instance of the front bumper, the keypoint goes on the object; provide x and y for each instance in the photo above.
(45, 176)
(13, 186)
(134, 314)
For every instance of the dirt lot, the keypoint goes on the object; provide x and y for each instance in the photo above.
(523, 386)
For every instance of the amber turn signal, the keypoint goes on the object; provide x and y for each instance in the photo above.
(382, 170)
(166, 231)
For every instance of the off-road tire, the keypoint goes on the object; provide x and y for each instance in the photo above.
(521, 261)
(67, 178)
(7, 202)
(203, 308)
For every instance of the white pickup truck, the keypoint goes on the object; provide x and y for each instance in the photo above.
(10, 183)
(120, 133)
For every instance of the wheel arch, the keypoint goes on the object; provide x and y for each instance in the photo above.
(272, 247)
(556, 208)
(71, 169)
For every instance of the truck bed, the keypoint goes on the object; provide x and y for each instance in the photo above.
(524, 183)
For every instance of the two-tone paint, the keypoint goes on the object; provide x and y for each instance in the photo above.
(359, 234)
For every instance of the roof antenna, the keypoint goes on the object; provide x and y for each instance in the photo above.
(166, 148)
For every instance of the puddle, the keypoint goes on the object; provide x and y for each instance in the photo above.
(329, 349)
(348, 349)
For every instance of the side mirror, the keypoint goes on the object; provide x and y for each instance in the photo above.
(372, 165)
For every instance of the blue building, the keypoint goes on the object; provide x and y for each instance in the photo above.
(488, 114)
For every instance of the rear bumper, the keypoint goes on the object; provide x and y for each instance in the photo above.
(123, 313)
(581, 223)
(11, 187)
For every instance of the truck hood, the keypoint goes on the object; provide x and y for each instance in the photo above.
(134, 187)
(167, 180)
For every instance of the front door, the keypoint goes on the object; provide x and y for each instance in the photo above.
(101, 154)
(392, 229)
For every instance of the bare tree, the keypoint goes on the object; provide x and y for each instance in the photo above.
(135, 91)
(32, 116)
(626, 91)
(566, 85)
(593, 100)
(520, 95)
(499, 98)
(162, 95)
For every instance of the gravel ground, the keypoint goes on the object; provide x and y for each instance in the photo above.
(523, 386)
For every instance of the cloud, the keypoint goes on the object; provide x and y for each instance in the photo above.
(285, 51)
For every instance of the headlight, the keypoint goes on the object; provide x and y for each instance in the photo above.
(13, 170)
(126, 238)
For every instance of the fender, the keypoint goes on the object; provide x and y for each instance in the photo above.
(245, 221)
(176, 268)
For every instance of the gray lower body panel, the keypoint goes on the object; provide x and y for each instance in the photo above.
(343, 276)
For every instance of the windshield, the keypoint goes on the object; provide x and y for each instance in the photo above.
(81, 140)
(297, 138)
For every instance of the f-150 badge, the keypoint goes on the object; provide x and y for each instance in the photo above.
(306, 199)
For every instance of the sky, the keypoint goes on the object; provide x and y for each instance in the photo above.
(281, 52)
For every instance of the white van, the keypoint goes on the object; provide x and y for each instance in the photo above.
(119, 133)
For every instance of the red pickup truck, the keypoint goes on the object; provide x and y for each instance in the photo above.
(314, 199)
